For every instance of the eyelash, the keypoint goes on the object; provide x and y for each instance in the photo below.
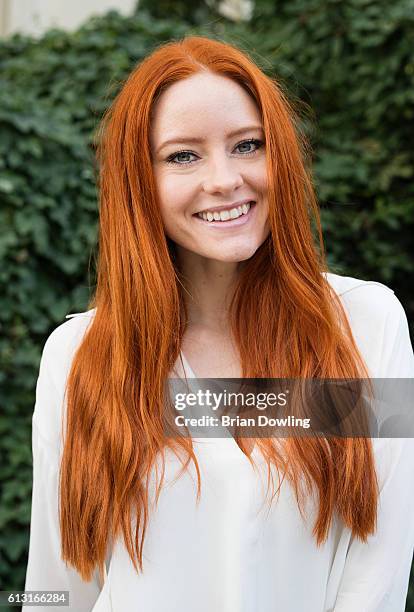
(258, 143)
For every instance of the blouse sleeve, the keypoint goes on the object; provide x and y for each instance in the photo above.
(45, 569)
(376, 573)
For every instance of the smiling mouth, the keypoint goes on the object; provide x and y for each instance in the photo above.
(226, 216)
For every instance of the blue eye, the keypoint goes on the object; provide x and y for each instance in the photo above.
(170, 159)
(251, 141)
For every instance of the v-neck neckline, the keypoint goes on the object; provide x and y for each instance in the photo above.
(189, 370)
(187, 366)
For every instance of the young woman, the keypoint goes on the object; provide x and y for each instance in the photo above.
(208, 268)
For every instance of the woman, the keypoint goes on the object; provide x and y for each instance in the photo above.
(207, 258)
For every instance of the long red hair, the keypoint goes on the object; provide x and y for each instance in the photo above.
(285, 319)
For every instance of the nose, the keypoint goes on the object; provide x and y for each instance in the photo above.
(223, 175)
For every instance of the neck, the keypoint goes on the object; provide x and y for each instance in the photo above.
(209, 288)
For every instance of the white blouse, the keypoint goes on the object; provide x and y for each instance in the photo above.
(229, 553)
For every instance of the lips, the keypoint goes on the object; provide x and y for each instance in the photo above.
(227, 207)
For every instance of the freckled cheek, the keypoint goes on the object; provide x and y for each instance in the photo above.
(260, 186)
(176, 199)
(255, 177)
(260, 182)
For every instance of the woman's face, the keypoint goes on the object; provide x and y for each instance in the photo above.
(209, 157)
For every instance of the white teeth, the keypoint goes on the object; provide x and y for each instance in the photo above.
(225, 215)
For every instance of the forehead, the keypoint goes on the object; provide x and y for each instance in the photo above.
(200, 102)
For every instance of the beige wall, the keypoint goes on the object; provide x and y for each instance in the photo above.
(34, 17)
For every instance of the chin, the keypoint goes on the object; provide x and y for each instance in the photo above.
(233, 257)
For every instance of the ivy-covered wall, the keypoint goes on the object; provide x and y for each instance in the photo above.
(349, 62)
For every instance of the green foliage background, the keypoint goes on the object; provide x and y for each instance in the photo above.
(350, 62)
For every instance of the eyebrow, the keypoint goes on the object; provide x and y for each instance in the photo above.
(200, 140)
